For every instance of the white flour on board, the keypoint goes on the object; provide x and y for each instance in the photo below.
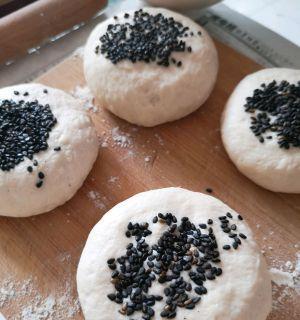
(113, 179)
(97, 199)
(120, 138)
(26, 302)
(286, 280)
(288, 277)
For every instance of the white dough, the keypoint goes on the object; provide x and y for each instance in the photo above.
(182, 4)
(242, 292)
(64, 170)
(265, 163)
(149, 94)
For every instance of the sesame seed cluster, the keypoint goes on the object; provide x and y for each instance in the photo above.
(148, 38)
(276, 109)
(24, 130)
(183, 248)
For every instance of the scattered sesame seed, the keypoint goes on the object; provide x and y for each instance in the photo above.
(41, 175)
(148, 38)
(134, 272)
(235, 245)
(57, 149)
(24, 131)
(229, 215)
(29, 169)
(209, 221)
(275, 107)
(209, 190)
(39, 184)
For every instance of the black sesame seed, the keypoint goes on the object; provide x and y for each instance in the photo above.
(155, 219)
(226, 247)
(16, 93)
(235, 245)
(111, 296)
(39, 184)
(240, 217)
(210, 221)
(243, 236)
(198, 290)
(179, 64)
(35, 163)
(229, 215)
(45, 91)
(126, 16)
(111, 261)
(209, 190)
(41, 175)
(29, 169)
(128, 234)
(57, 149)
(26, 94)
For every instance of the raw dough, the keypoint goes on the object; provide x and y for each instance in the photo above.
(182, 4)
(64, 170)
(265, 163)
(242, 292)
(149, 94)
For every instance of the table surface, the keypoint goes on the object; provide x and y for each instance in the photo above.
(39, 255)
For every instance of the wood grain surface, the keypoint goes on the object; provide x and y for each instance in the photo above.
(31, 25)
(187, 153)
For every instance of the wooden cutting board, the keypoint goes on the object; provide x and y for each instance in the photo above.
(188, 153)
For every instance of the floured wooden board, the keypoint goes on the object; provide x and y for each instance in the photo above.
(39, 255)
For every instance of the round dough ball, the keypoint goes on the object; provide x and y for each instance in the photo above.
(182, 4)
(241, 292)
(149, 94)
(268, 165)
(53, 175)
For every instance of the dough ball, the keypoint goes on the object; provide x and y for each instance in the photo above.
(261, 131)
(232, 283)
(174, 77)
(182, 4)
(48, 146)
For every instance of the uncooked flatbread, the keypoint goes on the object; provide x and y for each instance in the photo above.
(268, 165)
(72, 150)
(182, 4)
(148, 94)
(241, 292)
